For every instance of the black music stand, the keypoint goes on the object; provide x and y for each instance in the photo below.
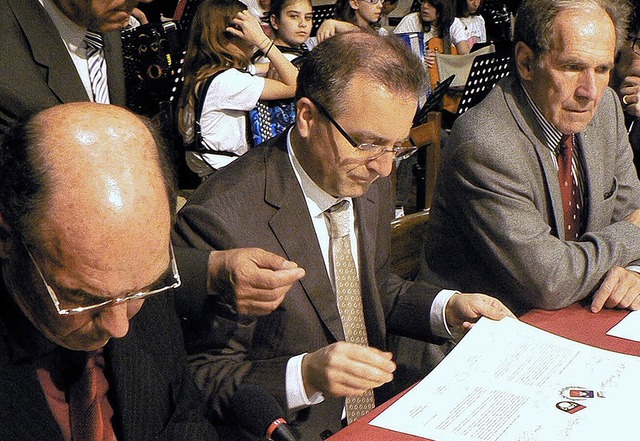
(320, 14)
(485, 72)
(434, 102)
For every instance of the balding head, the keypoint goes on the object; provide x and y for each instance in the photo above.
(91, 202)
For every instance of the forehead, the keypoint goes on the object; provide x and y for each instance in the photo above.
(588, 32)
(298, 6)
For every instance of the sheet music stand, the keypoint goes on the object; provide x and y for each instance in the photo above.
(320, 14)
(485, 72)
(434, 102)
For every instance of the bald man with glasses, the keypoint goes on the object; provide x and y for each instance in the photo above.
(90, 344)
(320, 195)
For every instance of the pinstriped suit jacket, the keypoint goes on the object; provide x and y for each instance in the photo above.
(36, 71)
(150, 388)
(498, 209)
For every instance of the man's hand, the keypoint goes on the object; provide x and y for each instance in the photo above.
(258, 278)
(346, 369)
(463, 310)
(634, 217)
(620, 289)
(630, 95)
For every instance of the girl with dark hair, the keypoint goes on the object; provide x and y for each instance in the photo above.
(362, 13)
(469, 27)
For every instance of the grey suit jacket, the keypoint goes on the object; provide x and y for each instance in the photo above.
(257, 202)
(36, 71)
(498, 208)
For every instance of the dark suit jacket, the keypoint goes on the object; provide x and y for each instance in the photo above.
(257, 202)
(497, 208)
(36, 71)
(151, 389)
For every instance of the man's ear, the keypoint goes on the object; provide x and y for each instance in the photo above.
(274, 22)
(525, 61)
(306, 114)
(354, 4)
(6, 239)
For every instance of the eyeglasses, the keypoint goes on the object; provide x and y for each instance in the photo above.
(374, 2)
(399, 151)
(170, 280)
(635, 45)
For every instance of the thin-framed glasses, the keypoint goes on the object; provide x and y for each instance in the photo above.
(170, 280)
(374, 2)
(399, 151)
(635, 45)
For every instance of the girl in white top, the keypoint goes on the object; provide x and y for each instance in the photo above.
(222, 40)
(468, 28)
(291, 21)
(362, 13)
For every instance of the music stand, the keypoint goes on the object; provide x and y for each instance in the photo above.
(320, 14)
(434, 102)
(485, 72)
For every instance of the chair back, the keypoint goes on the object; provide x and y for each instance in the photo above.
(427, 137)
(407, 236)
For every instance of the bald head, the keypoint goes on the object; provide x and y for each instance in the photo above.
(83, 158)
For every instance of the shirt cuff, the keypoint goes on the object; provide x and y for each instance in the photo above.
(296, 395)
(634, 268)
(437, 317)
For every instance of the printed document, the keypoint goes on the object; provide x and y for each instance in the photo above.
(510, 381)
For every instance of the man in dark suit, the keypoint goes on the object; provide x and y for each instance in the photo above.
(357, 94)
(44, 62)
(502, 221)
(86, 207)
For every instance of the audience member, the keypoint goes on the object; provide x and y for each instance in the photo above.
(291, 21)
(85, 217)
(468, 28)
(626, 81)
(219, 80)
(46, 60)
(357, 94)
(364, 14)
(538, 200)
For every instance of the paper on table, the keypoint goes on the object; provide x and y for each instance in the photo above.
(629, 327)
(509, 381)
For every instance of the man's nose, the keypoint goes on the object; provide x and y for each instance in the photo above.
(114, 320)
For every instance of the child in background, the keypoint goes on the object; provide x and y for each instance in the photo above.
(224, 37)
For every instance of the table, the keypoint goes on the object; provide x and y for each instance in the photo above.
(575, 322)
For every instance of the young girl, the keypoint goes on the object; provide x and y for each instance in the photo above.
(291, 21)
(362, 13)
(468, 28)
(220, 79)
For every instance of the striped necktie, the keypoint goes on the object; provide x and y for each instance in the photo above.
(349, 297)
(568, 189)
(97, 67)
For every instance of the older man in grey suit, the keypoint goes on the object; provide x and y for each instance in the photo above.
(537, 202)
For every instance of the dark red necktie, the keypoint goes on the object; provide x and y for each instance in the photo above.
(85, 413)
(569, 189)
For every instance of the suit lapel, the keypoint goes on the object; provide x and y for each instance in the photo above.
(523, 113)
(49, 51)
(289, 224)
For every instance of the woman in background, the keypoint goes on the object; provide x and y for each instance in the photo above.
(468, 28)
(220, 78)
(364, 14)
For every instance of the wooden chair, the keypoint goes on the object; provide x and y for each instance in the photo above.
(407, 236)
(428, 140)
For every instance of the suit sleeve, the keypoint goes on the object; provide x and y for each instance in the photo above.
(487, 190)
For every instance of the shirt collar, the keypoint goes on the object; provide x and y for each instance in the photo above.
(72, 34)
(318, 200)
(551, 134)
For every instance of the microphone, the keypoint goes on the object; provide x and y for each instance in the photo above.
(258, 412)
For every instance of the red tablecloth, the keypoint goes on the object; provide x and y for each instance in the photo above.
(575, 322)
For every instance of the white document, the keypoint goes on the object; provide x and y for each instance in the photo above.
(629, 327)
(510, 381)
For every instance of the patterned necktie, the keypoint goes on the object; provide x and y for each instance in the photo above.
(85, 412)
(97, 67)
(568, 188)
(349, 297)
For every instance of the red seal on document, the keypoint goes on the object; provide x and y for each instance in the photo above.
(570, 406)
(576, 393)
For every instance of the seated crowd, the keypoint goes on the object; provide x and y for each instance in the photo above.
(123, 318)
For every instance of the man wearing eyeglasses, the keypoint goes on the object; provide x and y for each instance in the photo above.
(357, 95)
(626, 81)
(90, 345)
